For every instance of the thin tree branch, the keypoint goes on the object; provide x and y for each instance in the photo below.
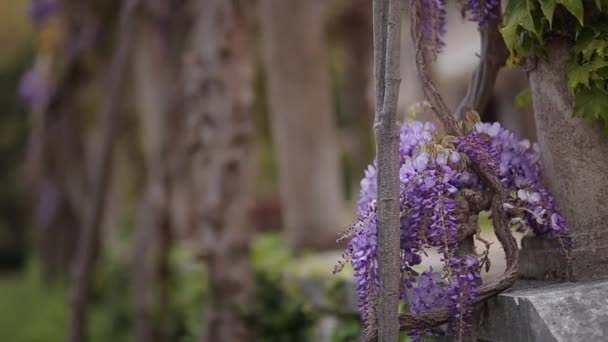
(89, 237)
(380, 12)
(499, 216)
(442, 111)
(494, 54)
(387, 36)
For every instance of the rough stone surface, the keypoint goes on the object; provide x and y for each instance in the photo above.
(574, 157)
(559, 312)
(542, 259)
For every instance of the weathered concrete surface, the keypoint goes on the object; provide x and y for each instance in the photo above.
(542, 259)
(567, 312)
(574, 156)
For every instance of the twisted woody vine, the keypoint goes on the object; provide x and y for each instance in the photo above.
(448, 175)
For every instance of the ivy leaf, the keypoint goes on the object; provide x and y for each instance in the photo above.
(602, 5)
(601, 75)
(577, 74)
(583, 39)
(517, 14)
(575, 7)
(589, 42)
(598, 46)
(591, 104)
(523, 99)
(583, 73)
(548, 7)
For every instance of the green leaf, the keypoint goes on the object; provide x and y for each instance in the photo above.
(589, 41)
(577, 74)
(529, 23)
(523, 99)
(583, 39)
(548, 7)
(575, 7)
(596, 46)
(591, 104)
(602, 5)
(583, 73)
(517, 14)
(601, 74)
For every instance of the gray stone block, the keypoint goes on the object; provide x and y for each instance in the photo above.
(560, 312)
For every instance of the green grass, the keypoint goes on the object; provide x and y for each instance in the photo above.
(33, 312)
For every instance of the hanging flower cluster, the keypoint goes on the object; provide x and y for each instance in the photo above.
(40, 11)
(481, 11)
(433, 20)
(35, 88)
(434, 171)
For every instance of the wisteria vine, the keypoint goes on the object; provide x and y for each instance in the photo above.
(433, 20)
(435, 171)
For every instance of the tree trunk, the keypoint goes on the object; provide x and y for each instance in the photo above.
(88, 240)
(56, 157)
(60, 189)
(303, 127)
(155, 74)
(353, 28)
(574, 157)
(387, 75)
(219, 132)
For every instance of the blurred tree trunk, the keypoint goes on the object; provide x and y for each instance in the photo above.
(56, 156)
(303, 128)
(59, 187)
(110, 112)
(353, 30)
(215, 169)
(155, 73)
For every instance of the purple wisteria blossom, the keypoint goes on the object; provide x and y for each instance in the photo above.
(431, 293)
(433, 21)
(519, 160)
(34, 88)
(428, 188)
(40, 11)
(413, 135)
(363, 249)
(433, 171)
(480, 150)
(481, 10)
(530, 205)
(369, 189)
(462, 290)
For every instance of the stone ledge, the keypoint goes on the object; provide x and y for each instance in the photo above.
(543, 313)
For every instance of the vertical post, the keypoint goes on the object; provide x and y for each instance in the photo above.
(574, 159)
(387, 34)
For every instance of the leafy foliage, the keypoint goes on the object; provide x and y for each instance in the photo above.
(528, 22)
(588, 74)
